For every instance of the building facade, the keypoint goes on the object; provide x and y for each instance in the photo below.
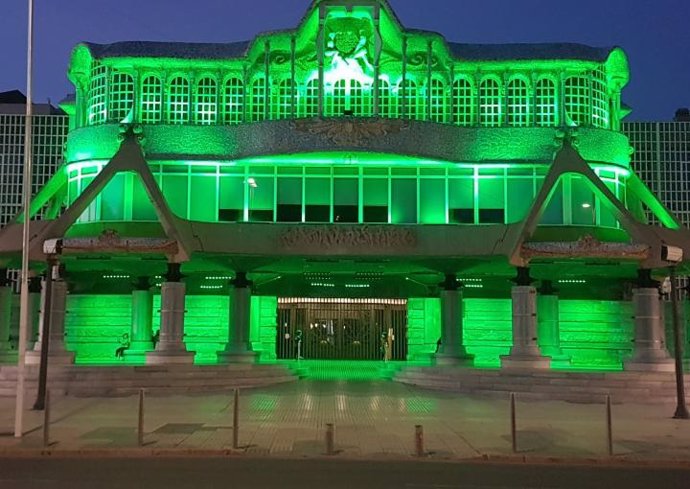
(351, 189)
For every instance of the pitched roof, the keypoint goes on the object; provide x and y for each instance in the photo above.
(543, 51)
(178, 50)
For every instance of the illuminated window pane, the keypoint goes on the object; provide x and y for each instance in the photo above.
(461, 200)
(206, 102)
(285, 97)
(345, 200)
(438, 101)
(233, 101)
(432, 201)
(407, 96)
(375, 200)
(151, 100)
(142, 208)
(360, 102)
(491, 200)
(231, 198)
(520, 196)
(582, 204)
(490, 107)
(203, 198)
(600, 100)
(311, 98)
(175, 191)
(553, 214)
(98, 94)
(463, 103)
(518, 103)
(404, 201)
(113, 199)
(546, 109)
(386, 108)
(121, 98)
(339, 98)
(261, 195)
(317, 197)
(258, 100)
(178, 101)
(289, 199)
(577, 100)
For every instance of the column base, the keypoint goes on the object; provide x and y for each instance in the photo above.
(180, 357)
(524, 362)
(462, 360)
(54, 358)
(237, 356)
(662, 365)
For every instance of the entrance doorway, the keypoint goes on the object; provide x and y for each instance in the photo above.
(342, 329)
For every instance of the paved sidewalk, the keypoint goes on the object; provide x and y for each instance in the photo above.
(372, 419)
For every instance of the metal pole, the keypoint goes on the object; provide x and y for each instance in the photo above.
(330, 439)
(26, 197)
(419, 440)
(140, 425)
(46, 422)
(681, 407)
(45, 340)
(236, 420)
(513, 423)
(609, 427)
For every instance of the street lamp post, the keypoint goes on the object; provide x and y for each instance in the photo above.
(681, 407)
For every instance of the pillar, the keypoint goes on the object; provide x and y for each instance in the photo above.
(649, 344)
(141, 335)
(548, 322)
(7, 353)
(239, 348)
(452, 349)
(171, 348)
(35, 288)
(525, 353)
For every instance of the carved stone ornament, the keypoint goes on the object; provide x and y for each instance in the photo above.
(588, 247)
(350, 131)
(109, 241)
(363, 237)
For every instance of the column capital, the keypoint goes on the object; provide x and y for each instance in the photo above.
(523, 278)
(547, 288)
(142, 283)
(174, 272)
(645, 280)
(241, 280)
(450, 282)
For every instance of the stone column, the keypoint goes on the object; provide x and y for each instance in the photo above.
(7, 353)
(649, 350)
(171, 348)
(452, 349)
(548, 323)
(525, 352)
(142, 317)
(239, 348)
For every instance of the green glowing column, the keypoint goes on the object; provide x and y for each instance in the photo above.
(6, 352)
(548, 323)
(525, 353)
(239, 347)
(171, 349)
(452, 350)
(649, 350)
(142, 317)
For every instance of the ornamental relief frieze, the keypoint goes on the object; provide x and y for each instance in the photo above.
(349, 132)
(357, 237)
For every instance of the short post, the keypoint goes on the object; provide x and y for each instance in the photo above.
(236, 420)
(513, 423)
(330, 439)
(140, 426)
(46, 420)
(419, 440)
(609, 427)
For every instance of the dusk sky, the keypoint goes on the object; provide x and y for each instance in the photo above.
(654, 33)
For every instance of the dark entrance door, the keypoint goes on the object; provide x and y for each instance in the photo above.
(342, 329)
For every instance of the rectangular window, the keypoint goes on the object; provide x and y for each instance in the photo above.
(432, 200)
(404, 201)
(231, 199)
(317, 199)
(345, 200)
(461, 200)
(289, 199)
(375, 200)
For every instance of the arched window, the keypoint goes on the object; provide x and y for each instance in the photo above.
(407, 95)
(600, 100)
(438, 101)
(98, 91)
(285, 97)
(386, 108)
(577, 101)
(151, 100)
(547, 109)
(311, 98)
(121, 100)
(339, 99)
(490, 107)
(518, 103)
(463, 103)
(206, 107)
(359, 101)
(233, 101)
(258, 100)
(178, 101)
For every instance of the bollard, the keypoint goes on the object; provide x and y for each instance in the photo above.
(609, 426)
(419, 440)
(46, 420)
(236, 420)
(513, 424)
(140, 426)
(330, 439)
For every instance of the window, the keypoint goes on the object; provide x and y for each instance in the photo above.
(233, 101)
(98, 95)
(151, 100)
(546, 110)
(463, 103)
(490, 110)
(385, 103)
(518, 103)
(600, 100)
(359, 103)
(339, 99)
(206, 110)
(407, 94)
(311, 98)
(577, 101)
(121, 99)
(438, 101)
(178, 102)
(285, 98)
(258, 100)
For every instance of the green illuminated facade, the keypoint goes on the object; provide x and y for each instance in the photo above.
(351, 161)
